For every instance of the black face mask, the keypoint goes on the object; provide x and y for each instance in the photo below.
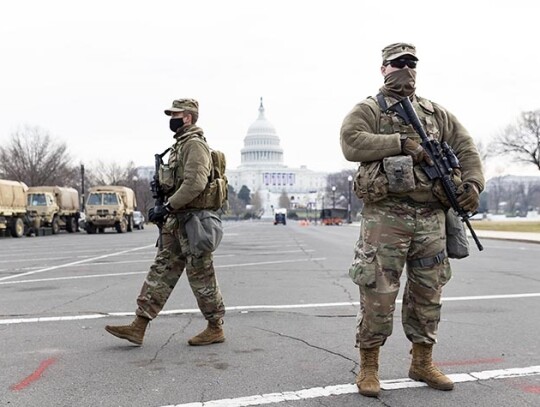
(176, 123)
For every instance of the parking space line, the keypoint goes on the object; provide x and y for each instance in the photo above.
(74, 263)
(244, 308)
(316, 392)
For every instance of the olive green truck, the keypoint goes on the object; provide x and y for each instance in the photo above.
(109, 206)
(13, 217)
(55, 207)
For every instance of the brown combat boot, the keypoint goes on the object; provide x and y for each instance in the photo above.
(368, 377)
(423, 369)
(212, 334)
(133, 332)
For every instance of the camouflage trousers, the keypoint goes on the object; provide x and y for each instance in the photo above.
(168, 266)
(395, 233)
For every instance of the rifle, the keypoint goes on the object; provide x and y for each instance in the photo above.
(444, 161)
(157, 191)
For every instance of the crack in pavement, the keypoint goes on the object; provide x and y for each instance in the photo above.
(72, 301)
(311, 345)
(180, 331)
(324, 269)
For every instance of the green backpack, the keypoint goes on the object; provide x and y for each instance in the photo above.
(217, 176)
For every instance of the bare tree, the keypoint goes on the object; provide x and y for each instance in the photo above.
(113, 174)
(236, 206)
(284, 201)
(340, 180)
(522, 139)
(484, 150)
(31, 156)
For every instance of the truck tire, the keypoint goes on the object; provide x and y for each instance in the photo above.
(71, 224)
(130, 223)
(17, 227)
(55, 226)
(121, 226)
(90, 228)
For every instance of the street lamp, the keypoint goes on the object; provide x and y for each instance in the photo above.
(82, 187)
(349, 178)
(334, 197)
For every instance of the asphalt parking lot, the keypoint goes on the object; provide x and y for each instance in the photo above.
(291, 314)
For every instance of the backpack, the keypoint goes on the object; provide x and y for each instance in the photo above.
(217, 175)
(216, 192)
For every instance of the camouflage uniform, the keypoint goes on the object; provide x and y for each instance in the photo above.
(401, 228)
(189, 163)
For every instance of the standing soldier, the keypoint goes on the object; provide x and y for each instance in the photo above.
(184, 181)
(403, 217)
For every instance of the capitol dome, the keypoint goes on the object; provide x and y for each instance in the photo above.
(261, 144)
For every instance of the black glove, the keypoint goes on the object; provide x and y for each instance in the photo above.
(415, 150)
(468, 196)
(158, 213)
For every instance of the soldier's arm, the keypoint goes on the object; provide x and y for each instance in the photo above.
(359, 140)
(196, 158)
(463, 144)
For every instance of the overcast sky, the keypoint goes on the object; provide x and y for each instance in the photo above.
(99, 74)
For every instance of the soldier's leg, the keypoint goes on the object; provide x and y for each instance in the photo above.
(164, 273)
(205, 287)
(161, 279)
(379, 258)
(428, 270)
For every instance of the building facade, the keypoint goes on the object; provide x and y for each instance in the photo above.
(263, 171)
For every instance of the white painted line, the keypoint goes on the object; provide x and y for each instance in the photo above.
(41, 259)
(244, 308)
(262, 263)
(40, 280)
(316, 392)
(74, 263)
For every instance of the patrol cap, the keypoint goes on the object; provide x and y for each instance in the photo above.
(397, 50)
(180, 105)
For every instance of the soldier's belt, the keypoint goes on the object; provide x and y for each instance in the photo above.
(427, 262)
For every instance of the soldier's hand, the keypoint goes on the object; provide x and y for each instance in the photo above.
(158, 213)
(416, 151)
(468, 196)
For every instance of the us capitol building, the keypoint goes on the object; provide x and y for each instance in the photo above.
(262, 171)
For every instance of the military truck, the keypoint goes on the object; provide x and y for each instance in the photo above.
(110, 206)
(12, 208)
(55, 207)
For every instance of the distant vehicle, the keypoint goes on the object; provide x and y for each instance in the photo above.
(333, 216)
(138, 220)
(55, 207)
(280, 216)
(110, 206)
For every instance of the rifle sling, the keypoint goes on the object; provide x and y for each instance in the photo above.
(396, 108)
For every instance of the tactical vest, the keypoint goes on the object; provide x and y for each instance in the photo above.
(371, 183)
(215, 194)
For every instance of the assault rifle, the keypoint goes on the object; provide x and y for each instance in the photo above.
(157, 191)
(444, 161)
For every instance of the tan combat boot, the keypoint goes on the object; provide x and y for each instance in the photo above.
(212, 334)
(133, 332)
(423, 369)
(368, 377)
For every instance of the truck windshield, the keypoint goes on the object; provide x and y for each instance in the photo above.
(94, 199)
(37, 200)
(110, 199)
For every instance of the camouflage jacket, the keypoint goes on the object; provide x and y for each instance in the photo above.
(368, 135)
(191, 163)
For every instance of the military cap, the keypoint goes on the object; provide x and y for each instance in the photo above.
(180, 105)
(397, 50)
